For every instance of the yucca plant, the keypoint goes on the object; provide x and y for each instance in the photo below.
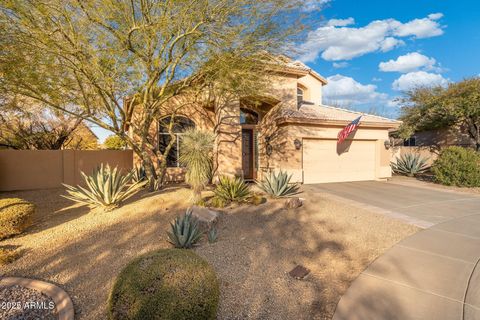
(185, 231)
(106, 187)
(139, 174)
(278, 185)
(231, 189)
(410, 164)
(196, 154)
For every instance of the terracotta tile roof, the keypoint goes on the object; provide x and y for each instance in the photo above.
(328, 113)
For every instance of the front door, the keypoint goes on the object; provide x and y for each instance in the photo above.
(247, 153)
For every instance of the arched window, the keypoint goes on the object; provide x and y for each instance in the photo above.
(248, 116)
(299, 97)
(180, 124)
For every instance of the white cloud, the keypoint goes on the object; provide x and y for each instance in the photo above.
(435, 16)
(313, 5)
(407, 63)
(340, 22)
(418, 79)
(338, 65)
(337, 41)
(345, 91)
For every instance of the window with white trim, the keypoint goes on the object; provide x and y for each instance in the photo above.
(299, 97)
(180, 125)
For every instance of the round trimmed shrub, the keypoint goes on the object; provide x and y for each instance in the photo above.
(165, 284)
(457, 166)
(15, 216)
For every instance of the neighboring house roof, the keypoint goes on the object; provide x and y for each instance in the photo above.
(321, 114)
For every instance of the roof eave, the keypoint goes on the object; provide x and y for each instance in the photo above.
(368, 124)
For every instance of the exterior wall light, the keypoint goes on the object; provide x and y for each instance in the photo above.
(387, 144)
(298, 144)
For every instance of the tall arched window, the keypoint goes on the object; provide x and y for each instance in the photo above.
(180, 124)
(299, 97)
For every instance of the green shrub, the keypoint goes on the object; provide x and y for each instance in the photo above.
(166, 284)
(106, 188)
(457, 166)
(15, 216)
(278, 185)
(410, 164)
(185, 231)
(229, 189)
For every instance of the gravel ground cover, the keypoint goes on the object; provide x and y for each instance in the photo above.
(20, 303)
(82, 251)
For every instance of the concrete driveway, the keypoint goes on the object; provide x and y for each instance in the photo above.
(432, 275)
(420, 206)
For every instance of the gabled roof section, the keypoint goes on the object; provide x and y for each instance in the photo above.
(290, 66)
(323, 114)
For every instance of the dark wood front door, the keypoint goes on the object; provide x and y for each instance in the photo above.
(247, 153)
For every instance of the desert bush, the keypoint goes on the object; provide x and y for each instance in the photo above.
(231, 189)
(278, 185)
(410, 164)
(196, 153)
(8, 255)
(185, 231)
(166, 284)
(15, 216)
(106, 187)
(457, 166)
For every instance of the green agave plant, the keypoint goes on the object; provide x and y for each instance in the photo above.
(410, 164)
(229, 189)
(105, 188)
(139, 174)
(185, 231)
(278, 185)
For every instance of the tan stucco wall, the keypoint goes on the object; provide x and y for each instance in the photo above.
(286, 157)
(44, 169)
(314, 89)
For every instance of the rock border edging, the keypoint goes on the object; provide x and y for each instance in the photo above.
(59, 296)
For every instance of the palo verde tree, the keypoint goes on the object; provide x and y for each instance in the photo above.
(458, 104)
(115, 60)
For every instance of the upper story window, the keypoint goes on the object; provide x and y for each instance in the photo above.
(180, 125)
(299, 97)
(248, 116)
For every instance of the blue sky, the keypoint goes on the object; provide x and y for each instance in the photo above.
(372, 51)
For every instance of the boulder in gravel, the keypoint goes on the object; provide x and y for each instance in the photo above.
(206, 217)
(293, 203)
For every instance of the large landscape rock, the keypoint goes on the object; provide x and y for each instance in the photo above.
(206, 217)
(293, 203)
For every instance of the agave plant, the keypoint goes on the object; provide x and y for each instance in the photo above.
(185, 231)
(196, 154)
(139, 174)
(278, 185)
(410, 164)
(107, 187)
(212, 235)
(229, 189)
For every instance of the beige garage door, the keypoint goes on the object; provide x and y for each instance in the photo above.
(322, 163)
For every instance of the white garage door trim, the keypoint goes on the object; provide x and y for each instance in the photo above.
(322, 164)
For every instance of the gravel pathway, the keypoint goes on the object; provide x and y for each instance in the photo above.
(20, 303)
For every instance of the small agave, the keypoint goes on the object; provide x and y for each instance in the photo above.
(278, 186)
(212, 235)
(185, 231)
(410, 164)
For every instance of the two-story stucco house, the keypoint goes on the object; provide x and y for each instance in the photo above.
(290, 130)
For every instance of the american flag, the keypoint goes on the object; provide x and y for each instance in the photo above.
(345, 132)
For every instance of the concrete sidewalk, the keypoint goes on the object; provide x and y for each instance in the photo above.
(430, 275)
